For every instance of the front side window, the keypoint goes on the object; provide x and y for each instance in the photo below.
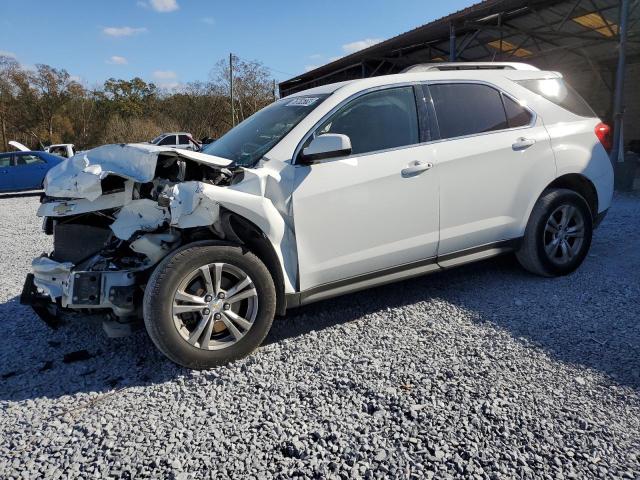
(246, 143)
(467, 109)
(377, 121)
(183, 139)
(168, 140)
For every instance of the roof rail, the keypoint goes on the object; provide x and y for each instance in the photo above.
(444, 66)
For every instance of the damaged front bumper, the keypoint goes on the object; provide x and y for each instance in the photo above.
(54, 285)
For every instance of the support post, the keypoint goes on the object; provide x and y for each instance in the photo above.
(617, 152)
(452, 42)
(233, 112)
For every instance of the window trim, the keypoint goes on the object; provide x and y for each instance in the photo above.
(431, 119)
(312, 130)
(532, 123)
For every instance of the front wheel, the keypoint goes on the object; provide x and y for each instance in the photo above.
(558, 235)
(208, 304)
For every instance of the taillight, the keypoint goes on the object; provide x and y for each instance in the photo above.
(603, 132)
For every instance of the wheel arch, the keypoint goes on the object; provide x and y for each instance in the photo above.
(247, 233)
(579, 184)
(234, 229)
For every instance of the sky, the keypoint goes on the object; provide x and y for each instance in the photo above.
(171, 42)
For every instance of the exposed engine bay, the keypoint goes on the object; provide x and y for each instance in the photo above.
(116, 211)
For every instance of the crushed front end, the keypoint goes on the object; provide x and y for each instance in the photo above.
(114, 213)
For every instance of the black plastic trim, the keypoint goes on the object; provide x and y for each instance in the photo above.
(297, 299)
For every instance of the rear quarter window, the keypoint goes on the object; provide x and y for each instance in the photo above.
(557, 91)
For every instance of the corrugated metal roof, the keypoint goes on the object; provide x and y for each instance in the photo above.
(509, 30)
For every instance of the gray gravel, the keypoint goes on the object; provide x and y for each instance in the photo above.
(484, 371)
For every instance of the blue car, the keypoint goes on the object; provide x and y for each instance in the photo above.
(25, 170)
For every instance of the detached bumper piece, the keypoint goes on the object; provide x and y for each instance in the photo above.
(41, 304)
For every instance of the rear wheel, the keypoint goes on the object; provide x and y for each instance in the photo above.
(558, 235)
(206, 305)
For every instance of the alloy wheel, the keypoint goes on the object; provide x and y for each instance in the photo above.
(564, 234)
(215, 306)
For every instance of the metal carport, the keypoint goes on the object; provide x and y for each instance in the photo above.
(592, 42)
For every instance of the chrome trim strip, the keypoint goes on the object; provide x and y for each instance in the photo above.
(296, 152)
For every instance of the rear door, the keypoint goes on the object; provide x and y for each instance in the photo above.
(361, 214)
(494, 158)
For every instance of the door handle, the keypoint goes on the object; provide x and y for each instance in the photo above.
(522, 143)
(416, 167)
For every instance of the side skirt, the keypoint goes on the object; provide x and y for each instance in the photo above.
(401, 272)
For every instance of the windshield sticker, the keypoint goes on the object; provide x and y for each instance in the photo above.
(302, 101)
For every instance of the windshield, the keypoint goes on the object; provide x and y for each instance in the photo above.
(250, 140)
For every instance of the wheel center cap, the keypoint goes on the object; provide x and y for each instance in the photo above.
(216, 305)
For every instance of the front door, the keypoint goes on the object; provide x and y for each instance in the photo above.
(372, 210)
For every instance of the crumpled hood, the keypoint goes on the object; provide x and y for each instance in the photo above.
(80, 175)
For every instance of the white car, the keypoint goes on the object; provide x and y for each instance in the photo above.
(328, 191)
(176, 140)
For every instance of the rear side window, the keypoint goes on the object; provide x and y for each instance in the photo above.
(517, 115)
(5, 161)
(377, 121)
(556, 90)
(467, 108)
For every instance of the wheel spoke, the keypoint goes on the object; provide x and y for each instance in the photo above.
(178, 309)
(564, 215)
(237, 334)
(564, 247)
(243, 322)
(187, 297)
(206, 337)
(206, 274)
(551, 228)
(241, 296)
(217, 277)
(238, 286)
(552, 247)
(195, 334)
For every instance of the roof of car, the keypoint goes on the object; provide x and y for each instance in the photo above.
(425, 73)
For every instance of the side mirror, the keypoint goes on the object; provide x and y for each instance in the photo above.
(329, 145)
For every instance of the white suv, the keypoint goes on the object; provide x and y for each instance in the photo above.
(328, 191)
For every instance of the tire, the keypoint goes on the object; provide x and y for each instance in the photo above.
(177, 303)
(542, 251)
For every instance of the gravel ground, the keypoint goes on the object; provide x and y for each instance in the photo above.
(484, 371)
